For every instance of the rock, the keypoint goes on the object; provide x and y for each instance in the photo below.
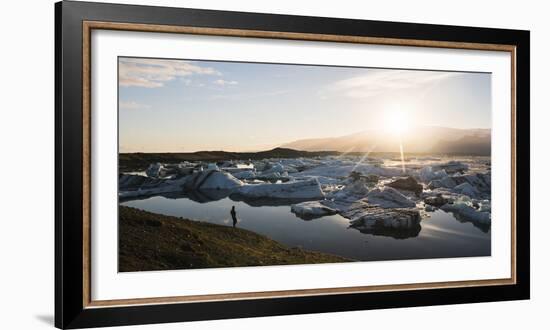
(211, 179)
(408, 183)
(306, 189)
(389, 198)
(311, 210)
(436, 201)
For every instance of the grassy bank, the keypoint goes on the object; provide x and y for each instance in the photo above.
(149, 241)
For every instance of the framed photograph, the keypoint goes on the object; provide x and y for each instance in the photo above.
(214, 164)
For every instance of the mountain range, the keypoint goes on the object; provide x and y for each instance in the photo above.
(421, 139)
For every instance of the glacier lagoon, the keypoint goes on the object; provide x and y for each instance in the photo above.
(358, 207)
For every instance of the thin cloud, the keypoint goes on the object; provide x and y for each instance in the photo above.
(154, 73)
(132, 105)
(381, 81)
(221, 82)
(248, 96)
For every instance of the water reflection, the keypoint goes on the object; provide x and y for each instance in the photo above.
(438, 236)
(391, 232)
(483, 227)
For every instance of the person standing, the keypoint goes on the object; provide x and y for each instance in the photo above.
(234, 216)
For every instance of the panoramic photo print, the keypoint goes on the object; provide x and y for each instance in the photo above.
(237, 164)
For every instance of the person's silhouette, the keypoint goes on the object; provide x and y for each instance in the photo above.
(234, 216)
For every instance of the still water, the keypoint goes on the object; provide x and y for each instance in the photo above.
(441, 235)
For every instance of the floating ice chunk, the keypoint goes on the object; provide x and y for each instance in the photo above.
(212, 166)
(211, 179)
(389, 198)
(463, 208)
(476, 185)
(446, 182)
(156, 187)
(485, 206)
(274, 168)
(351, 192)
(155, 170)
(312, 209)
(364, 216)
(323, 180)
(245, 175)
(272, 176)
(132, 181)
(306, 189)
(466, 189)
(481, 182)
(341, 170)
(236, 168)
(451, 167)
(428, 174)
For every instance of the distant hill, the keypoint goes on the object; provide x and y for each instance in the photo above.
(139, 160)
(439, 140)
(467, 145)
(424, 139)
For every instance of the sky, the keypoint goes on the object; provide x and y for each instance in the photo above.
(188, 105)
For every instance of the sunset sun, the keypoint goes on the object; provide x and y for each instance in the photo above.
(397, 122)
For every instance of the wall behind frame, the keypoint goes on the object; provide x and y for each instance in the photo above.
(27, 139)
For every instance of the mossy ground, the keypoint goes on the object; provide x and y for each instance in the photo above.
(149, 241)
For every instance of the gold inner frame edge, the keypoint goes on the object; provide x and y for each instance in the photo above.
(88, 26)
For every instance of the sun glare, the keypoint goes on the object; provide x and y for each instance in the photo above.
(396, 122)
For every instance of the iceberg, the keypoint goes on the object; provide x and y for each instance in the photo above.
(211, 179)
(451, 167)
(245, 175)
(351, 192)
(466, 189)
(311, 210)
(155, 170)
(388, 197)
(464, 208)
(306, 189)
(157, 187)
(364, 217)
(428, 174)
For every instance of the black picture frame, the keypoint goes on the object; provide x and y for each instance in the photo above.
(70, 309)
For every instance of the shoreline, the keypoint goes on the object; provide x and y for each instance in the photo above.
(150, 241)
